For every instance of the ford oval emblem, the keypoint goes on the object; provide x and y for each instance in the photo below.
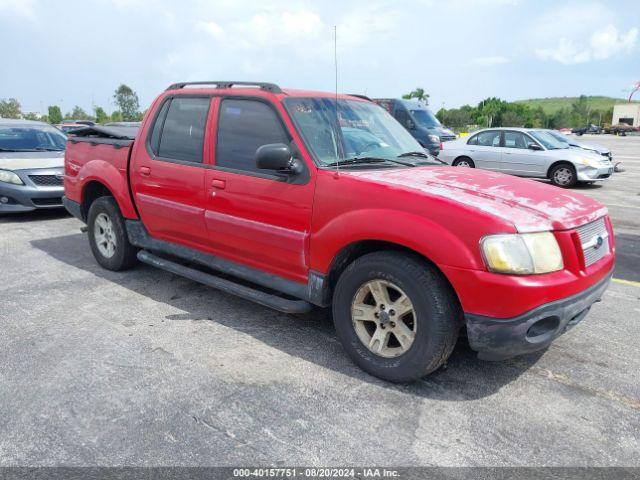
(599, 242)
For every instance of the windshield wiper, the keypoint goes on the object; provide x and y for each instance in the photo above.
(422, 155)
(39, 149)
(366, 160)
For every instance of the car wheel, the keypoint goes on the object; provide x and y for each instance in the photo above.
(108, 236)
(464, 162)
(563, 175)
(396, 316)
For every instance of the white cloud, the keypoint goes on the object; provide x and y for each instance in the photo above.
(25, 9)
(490, 61)
(602, 44)
(212, 28)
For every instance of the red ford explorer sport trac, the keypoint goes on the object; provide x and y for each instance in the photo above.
(294, 198)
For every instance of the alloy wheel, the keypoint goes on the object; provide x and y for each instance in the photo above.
(104, 235)
(384, 318)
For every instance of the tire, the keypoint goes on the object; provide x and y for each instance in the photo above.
(434, 320)
(464, 162)
(563, 175)
(106, 229)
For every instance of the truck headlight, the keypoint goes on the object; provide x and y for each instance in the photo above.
(522, 253)
(434, 138)
(9, 177)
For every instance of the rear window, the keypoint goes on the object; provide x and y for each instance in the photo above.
(180, 135)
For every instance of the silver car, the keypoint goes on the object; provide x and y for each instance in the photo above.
(573, 142)
(527, 152)
(31, 166)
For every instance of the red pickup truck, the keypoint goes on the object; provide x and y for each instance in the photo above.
(294, 198)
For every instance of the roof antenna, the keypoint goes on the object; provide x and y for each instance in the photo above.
(335, 61)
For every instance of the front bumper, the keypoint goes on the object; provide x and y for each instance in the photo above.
(30, 196)
(589, 174)
(497, 339)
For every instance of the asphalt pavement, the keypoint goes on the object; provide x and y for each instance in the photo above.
(146, 368)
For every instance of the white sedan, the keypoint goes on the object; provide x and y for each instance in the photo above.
(526, 152)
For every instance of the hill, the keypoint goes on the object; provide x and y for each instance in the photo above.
(551, 105)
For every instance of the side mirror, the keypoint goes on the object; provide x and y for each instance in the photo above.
(534, 146)
(277, 156)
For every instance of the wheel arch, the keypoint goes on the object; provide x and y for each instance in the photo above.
(91, 191)
(560, 162)
(349, 253)
(459, 157)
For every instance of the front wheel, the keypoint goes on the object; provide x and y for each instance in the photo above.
(396, 316)
(108, 236)
(563, 175)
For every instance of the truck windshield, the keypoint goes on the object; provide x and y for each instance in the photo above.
(425, 118)
(28, 138)
(355, 130)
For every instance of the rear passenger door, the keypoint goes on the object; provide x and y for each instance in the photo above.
(518, 159)
(484, 149)
(254, 216)
(167, 172)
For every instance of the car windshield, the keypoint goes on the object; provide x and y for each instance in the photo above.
(548, 140)
(357, 130)
(31, 138)
(558, 136)
(425, 118)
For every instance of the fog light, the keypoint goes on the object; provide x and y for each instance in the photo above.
(4, 200)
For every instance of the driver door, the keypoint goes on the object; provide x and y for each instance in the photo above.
(254, 216)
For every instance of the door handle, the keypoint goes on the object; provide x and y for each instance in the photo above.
(216, 183)
(146, 171)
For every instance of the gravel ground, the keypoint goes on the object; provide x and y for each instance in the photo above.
(146, 368)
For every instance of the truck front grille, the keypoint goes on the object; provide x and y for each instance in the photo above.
(46, 180)
(595, 241)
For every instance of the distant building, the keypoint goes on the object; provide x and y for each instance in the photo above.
(628, 113)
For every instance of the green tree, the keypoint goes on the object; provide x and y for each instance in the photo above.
(10, 108)
(31, 116)
(457, 118)
(418, 94)
(512, 119)
(127, 101)
(78, 113)
(101, 115)
(55, 114)
(580, 111)
(116, 116)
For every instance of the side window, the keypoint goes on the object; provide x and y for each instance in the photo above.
(489, 139)
(243, 126)
(515, 140)
(402, 115)
(154, 141)
(182, 136)
(473, 140)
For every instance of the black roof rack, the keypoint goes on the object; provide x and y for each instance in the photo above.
(270, 87)
(364, 97)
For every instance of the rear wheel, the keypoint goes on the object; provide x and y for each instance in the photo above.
(395, 315)
(108, 236)
(464, 162)
(563, 175)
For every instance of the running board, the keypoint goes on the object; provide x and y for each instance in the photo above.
(227, 286)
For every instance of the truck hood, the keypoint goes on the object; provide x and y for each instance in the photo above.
(530, 206)
(29, 160)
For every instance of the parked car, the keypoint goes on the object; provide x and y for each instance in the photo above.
(123, 124)
(565, 131)
(265, 186)
(31, 166)
(419, 121)
(592, 129)
(527, 153)
(70, 125)
(573, 142)
(621, 129)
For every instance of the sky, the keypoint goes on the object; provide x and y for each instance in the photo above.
(76, 52)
